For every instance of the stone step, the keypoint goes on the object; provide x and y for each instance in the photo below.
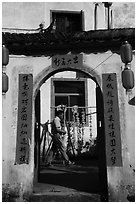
(65, 197)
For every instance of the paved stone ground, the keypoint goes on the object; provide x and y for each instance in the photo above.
(78, 183)
(65, 197)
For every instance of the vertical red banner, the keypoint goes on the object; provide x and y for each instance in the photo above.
(24, 122)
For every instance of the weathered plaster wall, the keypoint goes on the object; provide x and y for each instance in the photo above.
(17, 176)
(22, 14)
(15, 14)
(37, 12)
(23, 174)
(121, 179)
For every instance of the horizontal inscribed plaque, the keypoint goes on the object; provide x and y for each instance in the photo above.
(70, 60)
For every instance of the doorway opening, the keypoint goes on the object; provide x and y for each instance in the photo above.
(82, 102)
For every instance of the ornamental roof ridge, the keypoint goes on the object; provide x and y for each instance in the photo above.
(51, 40)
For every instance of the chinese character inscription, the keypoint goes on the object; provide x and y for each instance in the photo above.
(24, 118)
(64, 61)
(112, 122)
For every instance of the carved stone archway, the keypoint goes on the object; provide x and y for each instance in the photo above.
(50, 71)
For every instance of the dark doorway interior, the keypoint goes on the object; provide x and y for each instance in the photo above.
(88, 175)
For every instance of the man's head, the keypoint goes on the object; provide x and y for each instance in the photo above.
(60, 114)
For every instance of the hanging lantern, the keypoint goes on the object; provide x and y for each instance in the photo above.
(126, 52)
(5, 83)
(5, 55)
(128, 79)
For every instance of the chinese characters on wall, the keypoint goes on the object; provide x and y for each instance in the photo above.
(112, 122)
(24, 118)
(64, 61)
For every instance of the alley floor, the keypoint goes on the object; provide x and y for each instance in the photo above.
(76, 183)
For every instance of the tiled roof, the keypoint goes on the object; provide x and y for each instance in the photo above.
(50, 43)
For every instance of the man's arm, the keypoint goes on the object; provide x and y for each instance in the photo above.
(58, 126)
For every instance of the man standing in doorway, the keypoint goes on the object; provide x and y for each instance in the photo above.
(57, 138)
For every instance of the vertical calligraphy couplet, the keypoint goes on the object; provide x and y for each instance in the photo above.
(24, 118)
(112, 122)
